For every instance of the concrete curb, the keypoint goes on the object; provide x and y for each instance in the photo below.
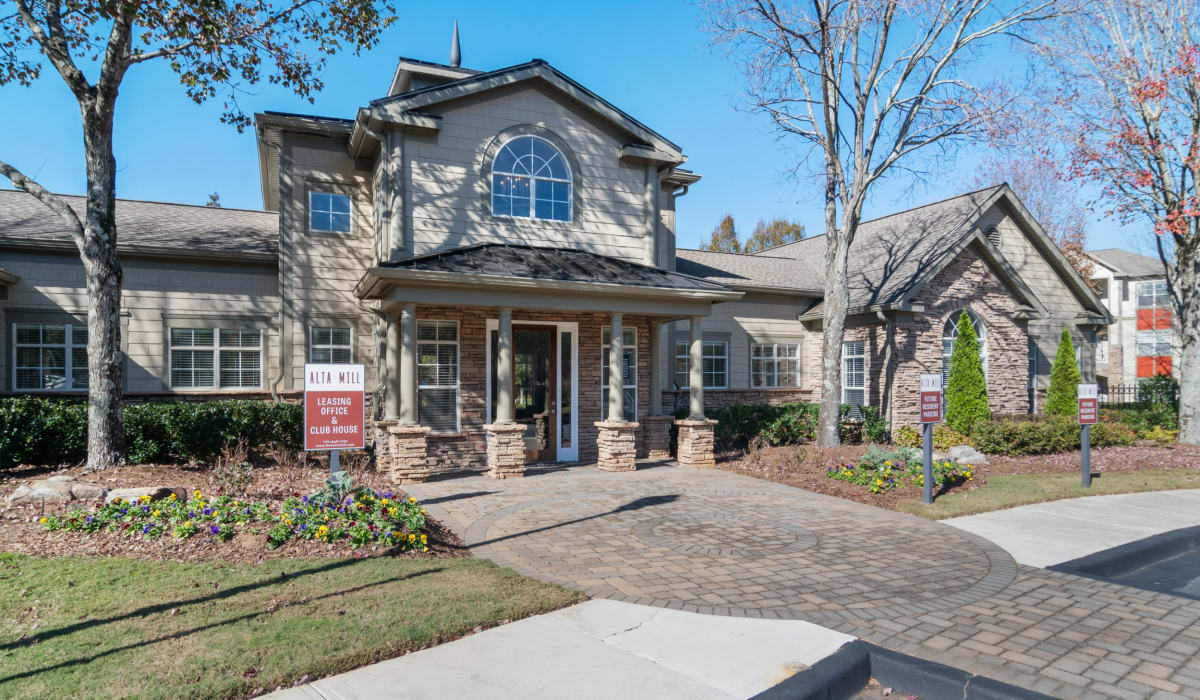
(845, 672)
(1106, 565)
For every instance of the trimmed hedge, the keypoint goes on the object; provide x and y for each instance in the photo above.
(787, 424)
(37, 430)
(1046, 435)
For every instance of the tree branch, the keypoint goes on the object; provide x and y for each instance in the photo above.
(64, 210)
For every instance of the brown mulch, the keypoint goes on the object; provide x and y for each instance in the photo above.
(20, 532)
(804, 466)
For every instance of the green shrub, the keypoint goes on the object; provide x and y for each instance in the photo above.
(1063, 395)
(37, 430)
(1161, 390)
(786, 424)
(1142, 419)
(943, 437)
(1046, 435)
(795, 424)
(966, 387)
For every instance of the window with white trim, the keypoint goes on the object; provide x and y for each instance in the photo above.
(328, 212)
(716, 364)
(950, 332)
(208, 358)
(531, 179)
(328, 344)
(437, 375)
(628, 371)
(854, 372)
(774, 365)
(49, 357)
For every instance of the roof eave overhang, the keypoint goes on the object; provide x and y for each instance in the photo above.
(376, 281)
(785, 291)
(371, 122)
(634, 153)
(145, 251)
(8, 279)
(679, 178)
(862, 310)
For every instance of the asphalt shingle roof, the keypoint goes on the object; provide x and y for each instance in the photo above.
(156, 225)
(1129, 263)
(560, 264)
(777, 272)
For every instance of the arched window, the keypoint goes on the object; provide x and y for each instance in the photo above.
(531, 179)
(950, 332)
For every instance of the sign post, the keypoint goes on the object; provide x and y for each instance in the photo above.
(931, 412)
(1089, 413)
(334, 409)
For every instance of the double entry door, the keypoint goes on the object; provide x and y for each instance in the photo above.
(542, 361)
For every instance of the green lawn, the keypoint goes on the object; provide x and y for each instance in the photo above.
(1006, 491)
(109, 627)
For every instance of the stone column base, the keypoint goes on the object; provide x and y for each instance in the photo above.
(383, 446)
(505, 450)
(696, 443)
(617, 442)
(658, 436)
(410, 453)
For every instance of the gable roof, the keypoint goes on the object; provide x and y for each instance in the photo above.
(152, 228)
(770, 273)
(1128, 263)
(558, 264)
(414, 100)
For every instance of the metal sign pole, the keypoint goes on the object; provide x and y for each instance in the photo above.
(334, 462)
(1086, 462)
(927, 480)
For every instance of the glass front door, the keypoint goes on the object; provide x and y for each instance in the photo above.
(535, 392)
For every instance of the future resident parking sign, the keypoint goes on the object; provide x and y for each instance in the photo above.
(334, 409)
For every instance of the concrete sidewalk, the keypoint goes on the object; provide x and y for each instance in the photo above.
(597, 649)
(1045, 534)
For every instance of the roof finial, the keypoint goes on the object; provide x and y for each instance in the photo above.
(455, 52)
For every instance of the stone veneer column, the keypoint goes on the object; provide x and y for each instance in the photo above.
(505, 450)
(383, 446)
(410, 453)
(696, 443)
(617, 443)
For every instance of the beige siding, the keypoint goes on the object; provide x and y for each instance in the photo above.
(53, 283)
(449, 191)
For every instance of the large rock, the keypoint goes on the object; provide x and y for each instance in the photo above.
(965, 454)
(84, 491)
(134, 494)
(39, 491)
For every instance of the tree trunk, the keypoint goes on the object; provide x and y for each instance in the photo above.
(1186, 281)
(106, 435)
(837, 297)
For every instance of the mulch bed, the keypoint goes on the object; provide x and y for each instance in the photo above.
(804, 466)
(272, 483)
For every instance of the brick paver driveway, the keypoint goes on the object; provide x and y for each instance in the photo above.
(721, 543)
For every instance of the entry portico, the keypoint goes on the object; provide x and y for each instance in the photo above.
(501, 355)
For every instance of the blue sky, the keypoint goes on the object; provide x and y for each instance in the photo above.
(651, 59)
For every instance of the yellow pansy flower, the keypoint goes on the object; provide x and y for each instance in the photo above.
(43, 520)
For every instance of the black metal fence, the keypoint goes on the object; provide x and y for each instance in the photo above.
(1120, 395)
(1148, 394)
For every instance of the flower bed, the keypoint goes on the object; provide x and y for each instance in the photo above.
(334, 514)
(885, 470)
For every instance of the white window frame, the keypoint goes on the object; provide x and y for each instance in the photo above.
(68, 347)
(457, 385)
(705, 347)
(776, 359)
(860, 354)
(626, 348)
(980, 334)
(533, 184)
(349, 211)
(217, 348)
(330, 346)
(1157, 338)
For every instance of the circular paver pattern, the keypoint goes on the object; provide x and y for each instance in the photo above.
(712, 542)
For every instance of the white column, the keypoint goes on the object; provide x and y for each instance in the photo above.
(656, 367)
(616, 381)
(504, 393)
(408, 365)
(392, 399)
(696, 370)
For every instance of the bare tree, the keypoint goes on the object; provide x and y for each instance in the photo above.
(214, 47)
(1121, 108)
(1056, 203)
(865, 86)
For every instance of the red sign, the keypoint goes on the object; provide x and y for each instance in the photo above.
(334, 413)
(931, 398)
(1089, 413)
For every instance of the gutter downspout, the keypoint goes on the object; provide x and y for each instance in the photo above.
(886, 398)
(279, 262)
